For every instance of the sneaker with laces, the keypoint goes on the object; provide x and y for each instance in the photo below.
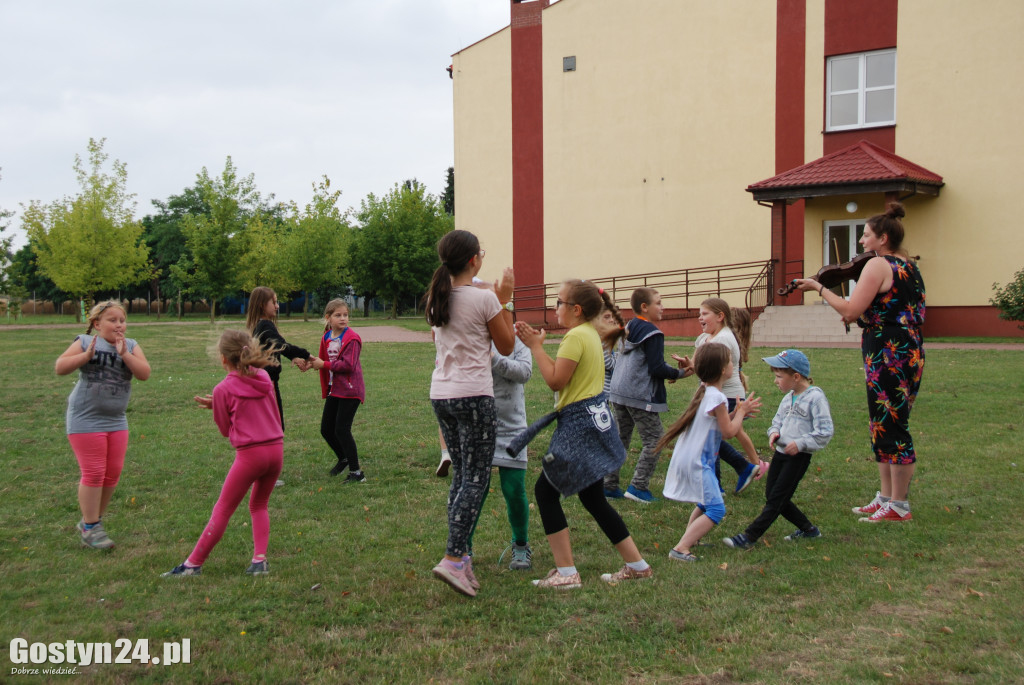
(556, 581)
(803, 534)
(614, 493)
(338, 468)
(467, 562)
(627, 573)
(95, 537)
(746, 478)
(887, 512)
(456, 578)
(355, 477)
(872, 506)
(258, 568)
(681, 556)
(182, 570)
(637, 495)
(442, 468)
(522, 557)
(739, 541)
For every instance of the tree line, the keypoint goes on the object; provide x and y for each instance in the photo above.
(221, 237)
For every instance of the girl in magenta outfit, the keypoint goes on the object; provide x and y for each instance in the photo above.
(341, 381)
(245, 410)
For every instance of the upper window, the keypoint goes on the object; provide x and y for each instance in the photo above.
(861, 90)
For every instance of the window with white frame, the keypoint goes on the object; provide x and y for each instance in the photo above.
(861, 90)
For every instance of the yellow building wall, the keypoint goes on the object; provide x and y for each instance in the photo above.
(483, 146)
(651, 142)
(957, 114)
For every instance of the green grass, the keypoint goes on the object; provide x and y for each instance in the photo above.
(350, 597)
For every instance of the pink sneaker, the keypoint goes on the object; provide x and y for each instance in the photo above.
(455, 577)
(871, 507)
(763, 469)
(626, 573)
(557, 581)
(887, 512)
(470, 576)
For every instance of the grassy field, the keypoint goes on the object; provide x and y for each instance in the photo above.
(350, 596)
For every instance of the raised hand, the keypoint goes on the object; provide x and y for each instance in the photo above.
(505, 288)
(205, 402)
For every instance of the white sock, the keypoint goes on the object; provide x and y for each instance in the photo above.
(444, 455)
(638, 565)
(566, 570)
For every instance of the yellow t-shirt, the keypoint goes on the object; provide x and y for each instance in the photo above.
(582, 344)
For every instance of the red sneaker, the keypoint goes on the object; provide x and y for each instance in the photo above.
(871, 507)
(887, 512)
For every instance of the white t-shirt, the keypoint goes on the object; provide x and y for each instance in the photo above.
(464, 346)
(691, 471)
(733, 387)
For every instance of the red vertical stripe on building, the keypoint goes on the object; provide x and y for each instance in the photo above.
(790, 77)
(859, 26)
(527, 143)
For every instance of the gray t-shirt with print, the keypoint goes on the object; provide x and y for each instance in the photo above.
(100, 397)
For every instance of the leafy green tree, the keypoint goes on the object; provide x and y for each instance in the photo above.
(394, 254)
(316, 245)
(216, 242)
(25, 274)
(1009, 299)
(448, 198)
(5, 249)
(90, 243)
(162, 232)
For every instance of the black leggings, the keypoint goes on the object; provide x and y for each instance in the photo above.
(336, 427)
(592, 497)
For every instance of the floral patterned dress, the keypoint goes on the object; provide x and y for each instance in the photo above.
(894, 361)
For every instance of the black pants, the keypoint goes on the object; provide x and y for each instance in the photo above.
(783, 478)
(336, 427)
(549, 503)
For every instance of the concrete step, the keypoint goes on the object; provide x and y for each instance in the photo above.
(802, 323)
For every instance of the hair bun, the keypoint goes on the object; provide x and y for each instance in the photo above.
(895, 210)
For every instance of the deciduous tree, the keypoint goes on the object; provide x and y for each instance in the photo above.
(90, 243)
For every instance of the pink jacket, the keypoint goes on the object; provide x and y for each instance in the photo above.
(245, 409)
(348, 373)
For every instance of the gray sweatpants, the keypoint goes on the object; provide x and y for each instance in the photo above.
(648, 425)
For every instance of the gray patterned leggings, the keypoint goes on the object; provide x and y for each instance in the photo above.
(468, 425)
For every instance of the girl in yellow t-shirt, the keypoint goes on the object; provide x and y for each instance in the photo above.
(577, 377)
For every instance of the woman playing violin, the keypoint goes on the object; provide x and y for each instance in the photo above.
(888, 304)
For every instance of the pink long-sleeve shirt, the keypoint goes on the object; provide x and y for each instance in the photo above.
(245, 409)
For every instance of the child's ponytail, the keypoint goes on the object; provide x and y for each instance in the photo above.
(455, 249)
(245, 352)
(709, 362)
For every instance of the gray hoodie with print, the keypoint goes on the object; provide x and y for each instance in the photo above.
(805, 419)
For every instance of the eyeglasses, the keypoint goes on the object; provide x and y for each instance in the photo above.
(559, 303)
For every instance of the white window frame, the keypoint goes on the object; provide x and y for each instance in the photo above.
(860, 91)
(855, 228)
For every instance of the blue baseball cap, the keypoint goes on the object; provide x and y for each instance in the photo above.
(790, 359)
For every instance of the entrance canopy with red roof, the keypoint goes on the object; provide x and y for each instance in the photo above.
(861, 168)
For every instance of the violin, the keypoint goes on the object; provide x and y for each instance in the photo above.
(832, 275)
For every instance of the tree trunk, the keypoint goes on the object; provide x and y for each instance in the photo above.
(366, 306)
(213, 310)
(305, 306)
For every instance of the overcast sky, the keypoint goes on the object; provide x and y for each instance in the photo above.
(356, 90)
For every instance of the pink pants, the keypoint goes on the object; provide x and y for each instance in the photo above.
(257, 466)
(100, 457)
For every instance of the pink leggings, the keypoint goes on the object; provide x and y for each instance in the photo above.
(257, 466)
(100, 457)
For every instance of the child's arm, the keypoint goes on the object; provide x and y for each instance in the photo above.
(775, 430)
(556, 372)
(501, 327)
(135, 360)
(654, 350)
(74, 357)
(268, 334)
(221, 411)
(516, 367)
(822, 428)
(731, 424)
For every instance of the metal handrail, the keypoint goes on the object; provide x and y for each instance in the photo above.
(681, 289)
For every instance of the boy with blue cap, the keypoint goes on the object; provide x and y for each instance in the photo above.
(802, 426)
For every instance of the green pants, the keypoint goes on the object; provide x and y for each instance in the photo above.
(513, 487)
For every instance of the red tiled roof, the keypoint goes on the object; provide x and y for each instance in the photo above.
(862, 162)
